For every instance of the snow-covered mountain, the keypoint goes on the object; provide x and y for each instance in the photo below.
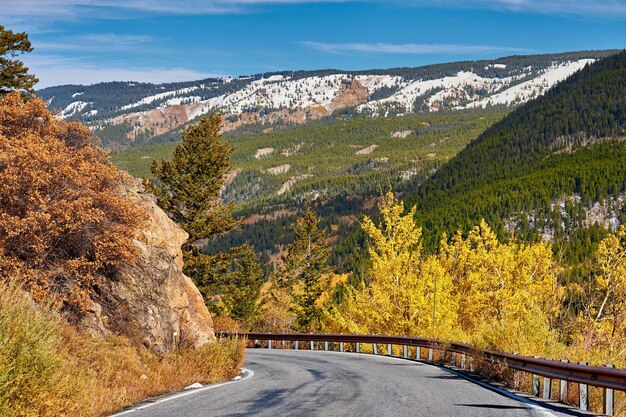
(123, 111)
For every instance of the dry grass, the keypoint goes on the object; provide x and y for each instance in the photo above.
(47, 368)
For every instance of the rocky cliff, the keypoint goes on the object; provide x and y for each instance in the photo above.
(151, 301)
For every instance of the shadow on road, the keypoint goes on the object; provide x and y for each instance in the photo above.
(494, 406)
(453, 377)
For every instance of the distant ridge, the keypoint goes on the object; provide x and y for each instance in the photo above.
(128, 113)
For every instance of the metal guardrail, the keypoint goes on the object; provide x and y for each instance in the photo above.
(607, 377)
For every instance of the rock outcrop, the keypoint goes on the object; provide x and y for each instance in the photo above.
(350, 97)
(151, 301)
(163, 119)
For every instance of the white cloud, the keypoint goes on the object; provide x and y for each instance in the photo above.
(607, 8)
(26, 13)
(68, 9)
(408, 48)
(96, 42)
(58, 71)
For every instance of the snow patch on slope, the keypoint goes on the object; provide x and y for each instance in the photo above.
(73, 108)
(457, 88)
(160, 96)
(279, 92)
(532, 88)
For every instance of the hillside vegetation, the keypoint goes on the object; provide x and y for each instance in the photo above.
(66, 231)
(63, 224)
(48, 368)
(322, 166)
(565, 145)
(353, 157)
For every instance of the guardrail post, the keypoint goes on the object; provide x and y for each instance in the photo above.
(563, 391)
(375, 348)
(583, 397)
(312, 345)
(405, 352)
(358, 347)
(340, 346)
(547, 388)
(563, 387)
(269, 345)
(609, 399)
(418, 353)
(297, 345)
(431, 355)
(535, 387)
(325, 345)
(389, 349)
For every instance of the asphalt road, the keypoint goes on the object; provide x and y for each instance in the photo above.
(303, 383)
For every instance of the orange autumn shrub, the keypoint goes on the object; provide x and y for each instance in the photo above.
(64, 224)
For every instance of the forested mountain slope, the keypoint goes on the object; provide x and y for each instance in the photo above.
(546, 170)
(336, 168)
(351, 158)
(554, 167)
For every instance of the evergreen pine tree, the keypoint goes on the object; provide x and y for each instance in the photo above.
(13, 74)
(188, 187)
(304, 265)
(244, 285)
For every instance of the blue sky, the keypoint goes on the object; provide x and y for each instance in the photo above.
(88, 41)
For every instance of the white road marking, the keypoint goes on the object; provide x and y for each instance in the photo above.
(536, 407)
(247, 375)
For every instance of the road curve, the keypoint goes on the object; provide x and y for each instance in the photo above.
(303, 383)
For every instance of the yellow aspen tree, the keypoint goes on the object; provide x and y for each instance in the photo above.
(275, 315)
(507, 294)
(399, 295)
(603, 319)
